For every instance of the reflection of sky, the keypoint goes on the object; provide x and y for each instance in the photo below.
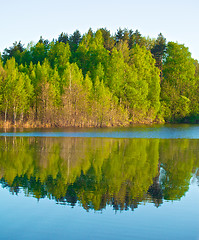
(159, 131)
(26, 218)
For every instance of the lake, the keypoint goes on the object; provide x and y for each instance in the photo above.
(112, 183)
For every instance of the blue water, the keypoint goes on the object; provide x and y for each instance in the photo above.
(25, 218)
(54, 152)
(181, 131)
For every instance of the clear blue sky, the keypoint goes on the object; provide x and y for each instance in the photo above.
(178, 20)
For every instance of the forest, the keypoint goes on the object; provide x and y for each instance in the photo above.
(98, 79)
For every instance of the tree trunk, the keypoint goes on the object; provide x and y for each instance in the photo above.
(14, 115)
(21, 118)
(70, 80)
(6, 113)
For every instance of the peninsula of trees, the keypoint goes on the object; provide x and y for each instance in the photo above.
(98, 79)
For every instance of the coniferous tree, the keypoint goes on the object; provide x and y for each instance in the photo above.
(15, 51)
(158, 51)
(109, 41)
(39, 52)
(63, 37)
(74, 41)
(119, 35)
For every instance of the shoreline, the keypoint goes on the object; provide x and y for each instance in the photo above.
(26, 125)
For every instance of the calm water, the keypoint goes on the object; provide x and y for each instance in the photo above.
(155, 131)
(116, 186)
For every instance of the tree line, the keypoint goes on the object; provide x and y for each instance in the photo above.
(98, 79)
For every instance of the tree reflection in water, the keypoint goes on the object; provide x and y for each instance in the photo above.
(96, 172)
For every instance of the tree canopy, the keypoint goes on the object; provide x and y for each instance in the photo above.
(98, 79)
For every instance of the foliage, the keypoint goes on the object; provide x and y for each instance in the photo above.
(98, 79)
(178, 85)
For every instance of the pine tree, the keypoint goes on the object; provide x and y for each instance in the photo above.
(158, 51)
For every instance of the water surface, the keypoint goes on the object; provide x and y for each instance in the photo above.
(99, 188)
(168, 131)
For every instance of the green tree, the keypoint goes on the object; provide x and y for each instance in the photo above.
(39, 51)
(8, 86)
(124, 48)
(135, 38)
(2, 82)
(148, 82)
(46, 87)
(91, 52)
(59, 55)
(16, 91)
(74, 41)
(63, 37)
(74, 98)
(158, 51)
(22, 92)
(109, 41)
(115, 73)
(178, 83)
(119, 35)
(15, 51)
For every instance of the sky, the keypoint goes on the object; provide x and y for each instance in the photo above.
(26, 21)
